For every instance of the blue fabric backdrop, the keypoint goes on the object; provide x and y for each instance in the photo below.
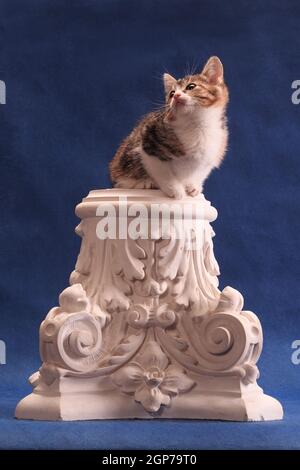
(78, 76)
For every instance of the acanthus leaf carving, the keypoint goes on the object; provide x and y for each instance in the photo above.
(149, 269)
(123, 352)
(150, 286)
(127, 259)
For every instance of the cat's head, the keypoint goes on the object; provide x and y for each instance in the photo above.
(193, 92)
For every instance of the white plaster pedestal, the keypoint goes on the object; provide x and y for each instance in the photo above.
(143, 331)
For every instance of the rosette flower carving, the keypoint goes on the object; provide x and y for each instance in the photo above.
(151, 379)
(71, 335)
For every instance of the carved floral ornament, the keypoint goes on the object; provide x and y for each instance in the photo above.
(151, 378)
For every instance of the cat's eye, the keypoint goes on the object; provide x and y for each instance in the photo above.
(190, 86)
(172, 93)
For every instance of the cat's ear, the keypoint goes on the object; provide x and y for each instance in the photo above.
(169, 82)
(213, 71)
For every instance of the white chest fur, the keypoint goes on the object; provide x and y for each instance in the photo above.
(203, 137)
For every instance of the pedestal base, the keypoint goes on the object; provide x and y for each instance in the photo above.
(206, 401)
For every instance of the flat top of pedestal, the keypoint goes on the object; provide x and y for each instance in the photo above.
(120, 197)
(137, 195)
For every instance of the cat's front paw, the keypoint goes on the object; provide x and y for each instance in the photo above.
(192, 190)
(176, 192)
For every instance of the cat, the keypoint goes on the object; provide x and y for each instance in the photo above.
(176, 148)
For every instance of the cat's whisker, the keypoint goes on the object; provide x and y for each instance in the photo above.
(187, 69)
(194, 67)
(160, 103)
(157, 77)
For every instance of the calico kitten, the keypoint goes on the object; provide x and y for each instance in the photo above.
(176, 148)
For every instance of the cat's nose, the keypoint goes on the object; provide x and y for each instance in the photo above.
(177, 96)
